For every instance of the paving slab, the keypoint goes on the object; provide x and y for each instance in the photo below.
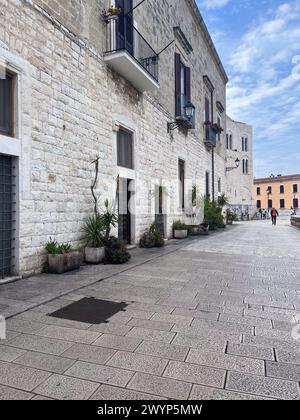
(263, 353)
(40, 344)
(100, 373)
(65, 388)
(163, 387)
(138, 363)
(227, 361)
(46, 362)
(203, 393)
(195, 374)
(164, 350)
(267, 387)
(21, 377)
(88, 353)
(9, 354)
(12, 394)
(117, 342)
(283, 371)
(112, 393)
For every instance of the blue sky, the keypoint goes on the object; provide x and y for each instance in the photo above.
(259, 44)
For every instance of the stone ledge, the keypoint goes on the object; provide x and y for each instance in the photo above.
(295, 221)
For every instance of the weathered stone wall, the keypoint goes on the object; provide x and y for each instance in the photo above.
(239, 185)
(72, 102)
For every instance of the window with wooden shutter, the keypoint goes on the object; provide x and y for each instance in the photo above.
(6, 105)
(125, 149)
(177, 85)
(182, 86)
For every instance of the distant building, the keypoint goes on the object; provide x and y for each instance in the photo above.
(281, 192)
(239, 163)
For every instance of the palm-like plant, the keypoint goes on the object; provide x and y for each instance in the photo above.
(94, 232)
(109, 219)
(223, 201)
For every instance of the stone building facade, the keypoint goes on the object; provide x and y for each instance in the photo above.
(76, 91)
(239, 152)
(281, 192)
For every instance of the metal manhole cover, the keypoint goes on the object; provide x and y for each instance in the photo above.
(90, 311)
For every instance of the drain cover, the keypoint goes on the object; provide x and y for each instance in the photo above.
(90, 311)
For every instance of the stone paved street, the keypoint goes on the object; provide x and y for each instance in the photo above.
(209, 319)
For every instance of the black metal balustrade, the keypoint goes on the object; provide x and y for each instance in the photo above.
(123, 36)
(211, 132)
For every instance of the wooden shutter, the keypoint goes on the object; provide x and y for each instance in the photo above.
(188, 83)
(177, 85)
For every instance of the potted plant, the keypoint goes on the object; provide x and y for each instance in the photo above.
(180, 230)
(94, 238)
(111, 13)
(62, 258)
(116, 252)
(231, 217)
(152, 238)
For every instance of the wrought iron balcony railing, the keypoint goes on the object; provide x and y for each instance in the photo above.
(122, 36)
(211, 132)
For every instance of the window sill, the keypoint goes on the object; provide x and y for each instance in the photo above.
(10, 145)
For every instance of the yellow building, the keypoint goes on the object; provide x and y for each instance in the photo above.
(281, 192)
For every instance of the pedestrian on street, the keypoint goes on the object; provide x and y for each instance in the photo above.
(293, 212)
(274, 215)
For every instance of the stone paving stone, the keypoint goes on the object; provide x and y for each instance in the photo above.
(136, 314)
(100, 373)
(284, 326)
(173, 319)
(222, 326)
(25, 327)
(163, 387)
(289, 372)
(270, 315)
(290, 346)
(70, 334)
(11, 394)
(168, 351)
(46, 362)
(40, 344)
(160, 309)
(226, 361)
(288, 357)
(41, 398)
(203, 393)
(118, 342)
(178, 303)
(195, 374)
(263, 353)
(9, 354)
(138, 363)
(246, 320)
(112, 393)
(146, 334)
(21, 377)
(48, 320)
(267, 387)
(111, 328)
(88, 353)
(200, 342)
(209, 333)
(196, 314)
(65, 388)
(151, 325)
(276, 334)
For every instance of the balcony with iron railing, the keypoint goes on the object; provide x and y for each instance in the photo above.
(129, 54)
(211, 132)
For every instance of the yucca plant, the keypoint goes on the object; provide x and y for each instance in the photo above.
(93, 230)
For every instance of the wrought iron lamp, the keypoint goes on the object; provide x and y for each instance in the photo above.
(189, 112)
(237, 165)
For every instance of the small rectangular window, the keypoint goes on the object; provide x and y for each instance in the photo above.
(296, 203)
(281, 189)
(6, 105)
(282, 204)
(125, 149)
(207, 188)
(269, 190)
(295, 188)
(258, 190)
(258, 204)
(181, 172)
(270, 204)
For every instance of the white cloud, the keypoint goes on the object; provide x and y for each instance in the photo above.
(213, 4)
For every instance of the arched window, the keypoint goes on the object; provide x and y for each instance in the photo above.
(230, 142)
(243, 144)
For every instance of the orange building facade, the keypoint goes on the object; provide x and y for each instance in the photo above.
(282, 192)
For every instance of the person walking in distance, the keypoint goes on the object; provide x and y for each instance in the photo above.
(274, 215)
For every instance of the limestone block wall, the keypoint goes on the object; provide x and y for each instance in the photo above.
(69, 102)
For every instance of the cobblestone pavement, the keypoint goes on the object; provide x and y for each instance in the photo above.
(212, 320)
